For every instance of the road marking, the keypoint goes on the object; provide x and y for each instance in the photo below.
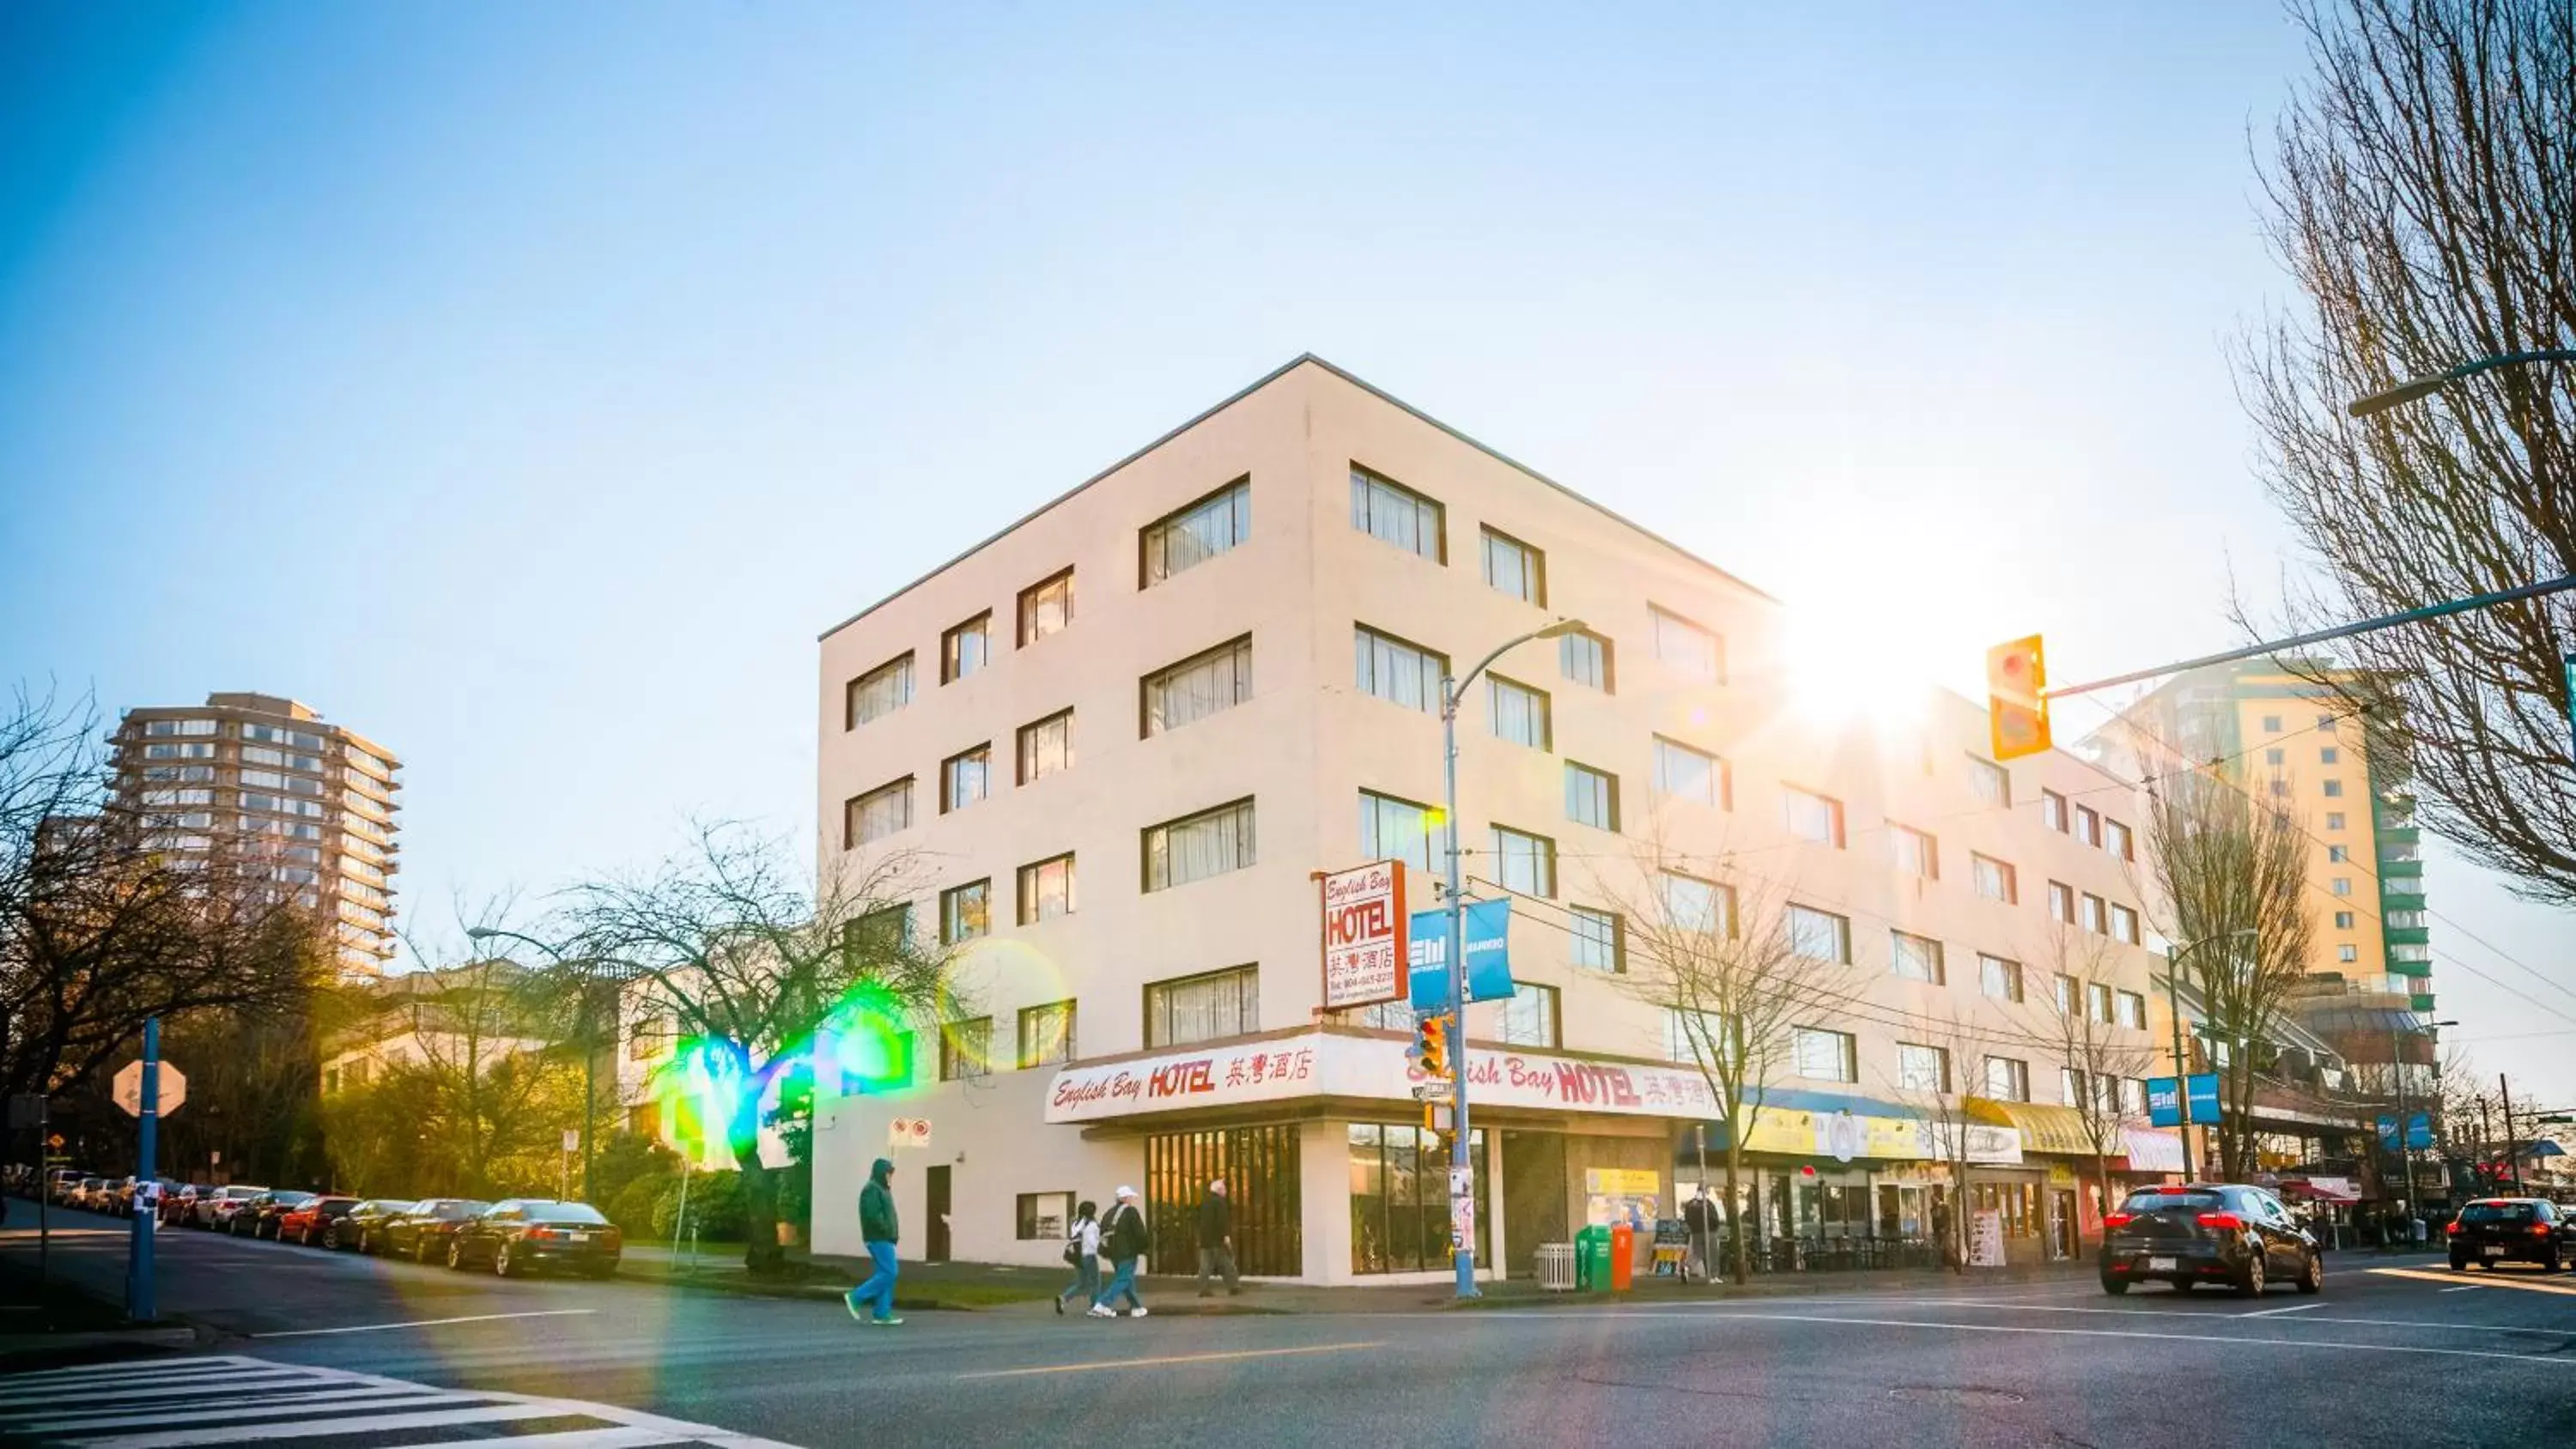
(370, 1424)
(2293, 1308)
(367, 1401)
(2471, 1288)
(1169, 1360)
(1676, 1311)
(426, 1323)
(2490, 1279)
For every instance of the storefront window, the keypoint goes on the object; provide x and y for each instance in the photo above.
(1259, 1167)
(1400, 1200)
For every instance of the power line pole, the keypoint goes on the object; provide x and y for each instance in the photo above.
(2511, 1154)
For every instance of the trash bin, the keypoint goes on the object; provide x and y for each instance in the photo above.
(1623, 1256)
(1555, 1267)
(1592, 1260)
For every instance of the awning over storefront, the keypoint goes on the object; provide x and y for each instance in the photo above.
(2333, 1191)
(2058, 1131)
(1796, 1122)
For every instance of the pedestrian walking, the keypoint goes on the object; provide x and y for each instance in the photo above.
(879, 1230)
(1124, 1238)
(1216, 1239)
(1699, 1215)
(1082, 1251)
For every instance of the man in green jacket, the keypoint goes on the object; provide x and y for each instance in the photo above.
(878, 1229)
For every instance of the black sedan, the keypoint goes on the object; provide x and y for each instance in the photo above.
(363, 1226)
(2495, 1230)
(259, 1216)
(523, 1235)
(2207, 1233)
(421, 1234)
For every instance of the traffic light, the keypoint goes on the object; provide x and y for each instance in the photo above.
(2016, 698)
(1431, 1047)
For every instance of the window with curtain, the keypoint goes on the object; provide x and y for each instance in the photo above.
(1046, 1034)
(1195, 847)
(1819, 935)
(1524, 863)
(1918, 958)
(963, 777)
(1585, 658)
(1999, 978)
(1394, 829)
(1691, 651)
(2007, 1080)
(1914, 852)
(1814, 817)
(2095, 919)
(878, 813)
(1692, 904)
(966, 1049)
(1697, 1037)
(2124, 925)
(1990, 782)
(1396, 671)
(1994, 878)
(878, 693)
(1201, 685)
(1208, 1007)
(2133, 1010)
(1922, 1068)
(1529, 1018)
(1193, 534)
(1046, 607)
(1046, 889)
(1513, 567)
(1516, 712)
(1683, 773)
(2061, 902)
(1591, 796)
(1385, 509)
(966, 649)
(1825, 1056)
(1046, 746)
(1600, 939)
(965, 912)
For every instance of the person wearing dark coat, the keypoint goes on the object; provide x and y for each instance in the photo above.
(879, 1229)
(1216, 1239)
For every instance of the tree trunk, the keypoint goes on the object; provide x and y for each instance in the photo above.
(1741, 1266)
(761, 1254)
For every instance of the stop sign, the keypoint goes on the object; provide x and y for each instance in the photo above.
(129, 1089)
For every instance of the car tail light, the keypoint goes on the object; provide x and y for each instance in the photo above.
(2227, 1222)
(2451, 1228)
(2118, 1220)
(541, 1232)
(2540, 1230)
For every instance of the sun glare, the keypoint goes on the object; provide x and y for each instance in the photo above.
(1848, 668)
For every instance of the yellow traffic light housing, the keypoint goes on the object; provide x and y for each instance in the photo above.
(2017, 698)
(1431, 1047)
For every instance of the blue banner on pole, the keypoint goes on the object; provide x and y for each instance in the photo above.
(2164, 1102)
(2419, 1131)
(1488, 929)
(2200, 1096)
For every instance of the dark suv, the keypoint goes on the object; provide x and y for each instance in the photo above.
(2496, 1230)
(2207, 1233)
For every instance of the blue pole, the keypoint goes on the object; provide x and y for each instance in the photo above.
(1460, 1159)
(138, 1273)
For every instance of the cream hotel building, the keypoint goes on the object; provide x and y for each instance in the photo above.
(1115, 743)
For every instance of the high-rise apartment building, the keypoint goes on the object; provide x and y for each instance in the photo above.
(1112, 746)
(266, 781)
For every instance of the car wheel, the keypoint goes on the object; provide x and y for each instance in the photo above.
(456, 1253)
(2115, 1286)
(609, 1270)
(2313, 1278)
(420, 1249)
(305, 1237)
(2550, 1263)
(2459, 1265)
(2250, 1284)
(366, 1243)
(501, 1261)
(331, 1237)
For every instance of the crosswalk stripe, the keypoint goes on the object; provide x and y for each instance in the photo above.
(370, 1401)
(158, 1390)
(140, 1368)
(329, 1394)
(622, 1436)
(491, 1413)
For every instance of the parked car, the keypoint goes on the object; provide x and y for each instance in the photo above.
(259, 1218)
(60, 1184)
(526, 1235)
(217, 1212)
(2207, 1233)
(363, 1226)
(422, 1233)
(87, 1195)
(2495, 1230)
(305, 1221)
(179, 1203)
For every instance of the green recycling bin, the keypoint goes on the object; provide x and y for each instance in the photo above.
(1592, 1260)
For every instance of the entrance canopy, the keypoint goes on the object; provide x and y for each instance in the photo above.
(1796, 1122)
(2058, 1131)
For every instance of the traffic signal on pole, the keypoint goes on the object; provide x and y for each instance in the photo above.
(1431, 1047)
(2017, 698)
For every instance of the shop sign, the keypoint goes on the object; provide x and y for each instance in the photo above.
(1264, 1071)
(1365, 933)
(1622, 1182)
(2151, 1151)
(1844, 1136)
(1986, 1241)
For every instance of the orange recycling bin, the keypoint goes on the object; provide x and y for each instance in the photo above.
(1623, 1256)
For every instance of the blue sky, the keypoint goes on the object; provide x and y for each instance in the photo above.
(526, 386)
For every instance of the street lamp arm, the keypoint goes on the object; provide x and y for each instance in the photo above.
(1557, 630)
(2422, 387)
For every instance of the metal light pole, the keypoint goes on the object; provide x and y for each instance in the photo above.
(2406, 1139)
(2511, 1155)
(589, 1046)
(139, 1304)
(2423, 387)
(1461, 1160)
(2182, 1067)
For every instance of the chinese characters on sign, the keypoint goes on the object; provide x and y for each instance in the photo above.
(1364, 936)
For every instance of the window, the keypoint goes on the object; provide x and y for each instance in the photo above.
(1991, 783)
(2000, 979)
(2088, 825)
(1826, 1056)
(1600, 940)
(2350, 953)
(1996, 880)
(2063, 993)
(1385, 509)
(1682, 773)
(2007, 1080)
(2280, 789)
(2334, 820)
(1692, 651)
(879, 692)
(2052, 809)
(1046, 746)
(1524, 864)
(1918, 958)
(2397, 920)
(1046, 607)
(1398, 672)
(1915, 853)
(1046, 1034)
(2395, 885)
(164, 728)
(1045, 1216)
(966, 1049)
(966, 649)
(1046, 889)
(1195, 847)
(963, 778)
(2117, 839)
(2095, 919)
(2334, 789)
(1814, 817)
(1922, 1068)
(2124, 925)
(1393, 829)
(1529, 1018)
(1206, 683)
(1210, 1007)
(2343, 919)
(1692, 904)
(2342, 885)
(1585, 658)
(1591, 796)
(1516, 712)
(2061, 902)
(2133, 1097)
(1513, 567)
(2276, 757)
(2098, 997)
(877, 814)
(2070, 1086)
(2329, 755)
(2410, 951)
(2340, 855)
(1699, 1037)
(965, 912)
(2272, 724)
(1194, 533)
(1819, 934)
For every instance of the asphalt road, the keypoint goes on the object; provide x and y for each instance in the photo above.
(2394, 1353)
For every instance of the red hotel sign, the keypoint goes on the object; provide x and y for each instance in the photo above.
(1365, 927)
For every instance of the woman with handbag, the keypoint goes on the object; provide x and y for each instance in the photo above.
(1082, 1254)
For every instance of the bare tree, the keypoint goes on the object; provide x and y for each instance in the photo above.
(1734, 986)
(2098, 1052)
(2423, 195)
(2232, 873)
(747, 955)
(1942, 1092)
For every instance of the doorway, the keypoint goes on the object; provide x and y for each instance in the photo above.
(937, 1241)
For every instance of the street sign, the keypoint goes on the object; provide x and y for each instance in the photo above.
(129, 1089)
(1487, 927)
(1435, 1091)
(572, 1139)
(1365, 929)
(908, 1132)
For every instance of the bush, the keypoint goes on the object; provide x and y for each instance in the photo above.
(715, 1208)
(637, 1207)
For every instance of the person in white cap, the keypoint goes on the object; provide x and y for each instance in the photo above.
(1216, 1239)
(1124, 1238)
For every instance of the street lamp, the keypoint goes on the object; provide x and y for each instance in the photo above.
(2405, 1139)
(2424, 387)
(1461, 1162)
(589, 1047)
(2173, 995)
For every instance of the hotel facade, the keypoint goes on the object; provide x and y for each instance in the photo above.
(1114, 745)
